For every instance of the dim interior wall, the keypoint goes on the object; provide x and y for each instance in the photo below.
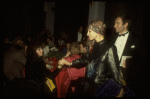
(97, 11)
(50, 17)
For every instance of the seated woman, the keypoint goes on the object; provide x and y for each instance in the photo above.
(74, 50)
(73, 73)
(36, 71)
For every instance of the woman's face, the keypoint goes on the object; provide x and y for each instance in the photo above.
(39, 51)
(68, 45)
(91, 34)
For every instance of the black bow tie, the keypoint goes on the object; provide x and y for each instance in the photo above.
(123, 34)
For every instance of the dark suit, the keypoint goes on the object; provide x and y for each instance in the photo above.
(134, 73)
(14, 61)
(132, 44)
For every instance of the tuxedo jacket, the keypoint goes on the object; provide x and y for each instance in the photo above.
(132, 44)
(135, 73)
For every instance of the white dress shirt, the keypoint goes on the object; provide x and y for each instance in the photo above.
(45, 50)
(120, 44)
(79, 37)
(61, 42)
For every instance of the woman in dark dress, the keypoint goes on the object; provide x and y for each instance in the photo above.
(103, 76)
(36, 71)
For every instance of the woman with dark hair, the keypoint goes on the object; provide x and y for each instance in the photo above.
(36, 71)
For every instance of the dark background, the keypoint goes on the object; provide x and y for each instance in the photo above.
(23, 18)
(70, 16)
(27, 18)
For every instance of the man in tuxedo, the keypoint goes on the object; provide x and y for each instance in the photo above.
(129, 52)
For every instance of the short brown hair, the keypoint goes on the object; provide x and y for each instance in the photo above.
(74, 48)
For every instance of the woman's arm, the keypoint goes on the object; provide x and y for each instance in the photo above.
(78, 63)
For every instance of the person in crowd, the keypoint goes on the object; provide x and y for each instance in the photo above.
(28, 40)
(74, 54)
(79, 36)
(83, 46)
(15, 60)
(38, 36)
(129, 53)
(66, 50)
(74, 51)
(45, 49)
(36, 71)
(63, 34)
(7, 44)
(48, 33)
(43, 32)
(76, 87)
(102, 68)
(50, 43)
(61, 42)
(53, 38)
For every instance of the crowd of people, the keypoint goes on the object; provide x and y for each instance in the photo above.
(111, 66)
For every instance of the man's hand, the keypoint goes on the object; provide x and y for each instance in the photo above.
(120, 94)
(124, 63)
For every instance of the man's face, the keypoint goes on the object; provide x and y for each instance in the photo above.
(80, 29)
(68, 45)
(48, 40)
(20, 43)
(119, 27)
(43, 45)
(82, 49)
